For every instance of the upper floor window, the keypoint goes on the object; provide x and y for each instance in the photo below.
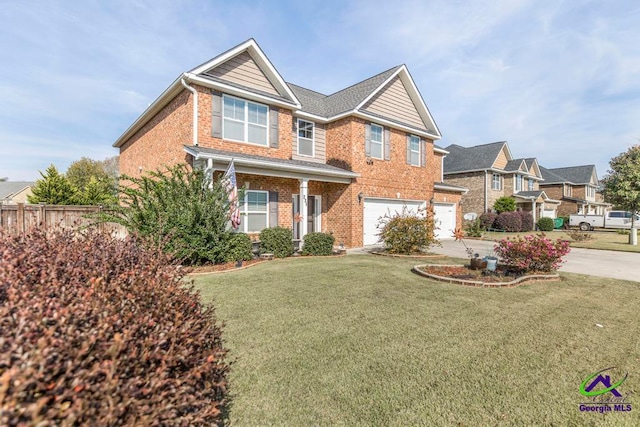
(591, 192)
(244, 121)
(496, 182)
(567, 190)
(531, 184)
(518, 183)
(255, 211)
(305, 138)
(377, 141)
(413, 150)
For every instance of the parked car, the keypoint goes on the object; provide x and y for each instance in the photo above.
(611, 219)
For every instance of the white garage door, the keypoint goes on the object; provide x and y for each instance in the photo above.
(376, 208)
(549, 213)
(445, 219)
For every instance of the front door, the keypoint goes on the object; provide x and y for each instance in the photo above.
(312, 213)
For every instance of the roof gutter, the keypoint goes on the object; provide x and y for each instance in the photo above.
(184, 83)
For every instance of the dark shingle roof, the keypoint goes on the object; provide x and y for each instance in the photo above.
(8, 188)
(233, 154)
(529, 194)
(461, 159)
(513, 165)
(342, 101)
(550, 177)
(576, 174)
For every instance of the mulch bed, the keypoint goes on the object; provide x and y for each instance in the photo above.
(459, 274)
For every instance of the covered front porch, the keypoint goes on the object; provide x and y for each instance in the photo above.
(538, 203)
(294, 194)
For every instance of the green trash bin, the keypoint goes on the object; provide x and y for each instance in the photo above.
(558, 223)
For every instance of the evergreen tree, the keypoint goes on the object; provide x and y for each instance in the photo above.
(53, 189)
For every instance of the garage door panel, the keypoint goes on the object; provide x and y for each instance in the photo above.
(374, 209)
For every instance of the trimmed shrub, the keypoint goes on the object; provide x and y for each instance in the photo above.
(239, 248)
(488, 219)
(527, 220)
(474, 228)
(532, 253)
(103, 331)
(318, 244)
(505, 204)
(407, 232)
(509, 221)
(180, 209)
(277, 241)
(545, 224)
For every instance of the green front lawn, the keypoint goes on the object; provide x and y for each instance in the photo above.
(607, 240)
(360, 340)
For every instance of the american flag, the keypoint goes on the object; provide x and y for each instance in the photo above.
(231, 186)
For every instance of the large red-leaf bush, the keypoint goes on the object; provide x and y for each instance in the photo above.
(100, 331)
(533, 252)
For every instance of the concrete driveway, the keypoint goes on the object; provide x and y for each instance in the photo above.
(614, 264)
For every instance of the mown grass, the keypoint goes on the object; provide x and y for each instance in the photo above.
(607, 240)
(360, 340)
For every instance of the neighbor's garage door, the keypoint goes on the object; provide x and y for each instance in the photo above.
(549, 213)
(376, 208)
(445, 218)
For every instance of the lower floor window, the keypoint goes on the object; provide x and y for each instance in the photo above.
(255, 211)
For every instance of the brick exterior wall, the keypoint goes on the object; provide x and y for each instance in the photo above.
(161, 140)
(473, 201)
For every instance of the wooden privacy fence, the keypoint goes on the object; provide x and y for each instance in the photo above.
(21, 218)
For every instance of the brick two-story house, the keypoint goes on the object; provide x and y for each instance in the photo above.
(308, 161)
(577, 187)
(489, 171)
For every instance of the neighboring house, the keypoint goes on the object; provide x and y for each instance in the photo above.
(578, 189)
(15, 192)
(308, 161)
(489, 171)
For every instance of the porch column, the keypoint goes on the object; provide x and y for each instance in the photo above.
(209, 171)
(304, 210)
(533, 212)
(541, 209)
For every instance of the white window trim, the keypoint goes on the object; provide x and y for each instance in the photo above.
(245, 211)
(531, 184)
(515, 183)
(245, 121)
(376, 142)
(313, 137)
(413, 151)
(499, 181)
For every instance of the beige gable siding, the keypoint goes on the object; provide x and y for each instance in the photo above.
(393, 101)
(242, 70)
(319, 142)
(501, 160)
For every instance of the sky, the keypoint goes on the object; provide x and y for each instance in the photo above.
(559, 80)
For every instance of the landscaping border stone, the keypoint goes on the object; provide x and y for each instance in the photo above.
(480, 284)
(426, 256)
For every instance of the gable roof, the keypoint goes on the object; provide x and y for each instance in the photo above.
(515, 165)
(9, 188)
(570, 175)
(303, 101)
(255, 52)
(466, 159)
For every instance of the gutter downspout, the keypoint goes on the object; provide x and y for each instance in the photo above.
(486, 191)
(183, 81)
